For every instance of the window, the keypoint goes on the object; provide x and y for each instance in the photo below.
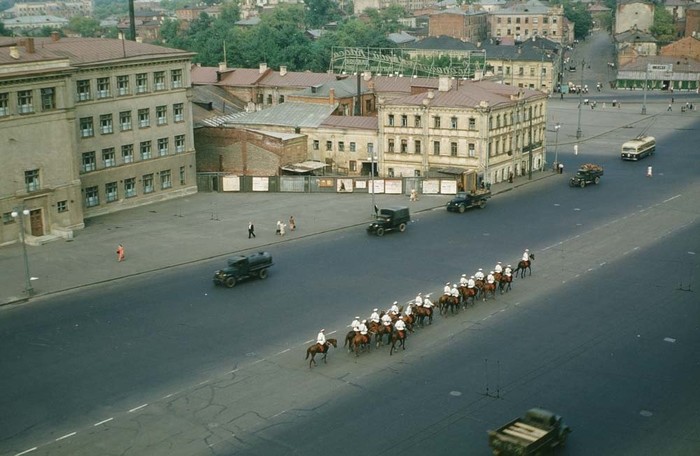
(7, 218)
(182, 175)
(31, 180)
(517, 20)
(436, 122)
(62, 206)
(178, 112)
(453, 149)
(269, 99)
(24, 102)
(86, 130)
(498, 121)
(554, 21)
(521, 71)
(175, 79)
(128, 153)
(125, 120)
(472, 123)
(390, 172)
(165, 181)
(416, 145)
(108, 157)
(436, 147)
(141, 83)
(159, 80)
(453, 123)
(329, 145)
(280, 100)
(352, 164)
(545, 20)
(390, 148)
(404, 146)
(179, 143)
(535, 20)
(341, 146)
(103, 88)
(48, 99)
(532, 71)
(391, 120)
(161, 115)
(4, 104)
(123, 85)
(148, 183)
(472, 151)
(370, 149)
(526, 21)
(316, 144)
(145, 150)
(144, 118)
(417, 121)
(83, 87)
(88, 163)
(353, 147)
(510, 20)
(416, 172)
(162, 147)
(106, 124)
(130, 187)
(92, 197)
(111, 194)
(404, 120)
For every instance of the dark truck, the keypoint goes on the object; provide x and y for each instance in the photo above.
(537, 432)
(587, 174)
(391, 218)
(466, 200)
(242, 267)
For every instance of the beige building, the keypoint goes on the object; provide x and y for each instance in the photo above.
(485, 127)
(114, 124)
(634, 14)
(524, 20)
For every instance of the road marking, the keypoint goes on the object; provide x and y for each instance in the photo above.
(278, 414)
(138, 408)
(26, 451)
(672, 198)
(103, 421)
(203, 383)
(283, 351)
(66, 436)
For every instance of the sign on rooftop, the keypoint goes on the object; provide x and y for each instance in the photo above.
(660, 67)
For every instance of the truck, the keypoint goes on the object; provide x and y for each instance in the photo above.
(243, 267)
(388, 219)
(469, 194)
(537, 432)
(588, 173)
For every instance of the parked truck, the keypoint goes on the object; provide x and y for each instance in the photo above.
(470, 194)
(243, 267)
(538, 432)
(588, 173)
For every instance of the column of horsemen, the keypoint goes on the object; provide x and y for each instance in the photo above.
(395, 322)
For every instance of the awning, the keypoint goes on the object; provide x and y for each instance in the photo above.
(304, 167)
(452, 171)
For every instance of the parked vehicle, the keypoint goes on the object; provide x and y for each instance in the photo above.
(466, 200)
(391, 218)
(588, 173)
(243, 267)
(537, 432)
(638, 148)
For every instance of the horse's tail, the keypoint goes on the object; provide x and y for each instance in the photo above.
(308, 352)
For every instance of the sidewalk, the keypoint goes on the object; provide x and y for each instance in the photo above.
(191, 229)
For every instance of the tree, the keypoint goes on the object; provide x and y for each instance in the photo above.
(4, 31)
(578, 14)
(663, 28)
(85, 26)
(321, 12)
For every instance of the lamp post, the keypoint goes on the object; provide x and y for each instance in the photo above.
(646, 82)
(371, 171)
(20, 213)
(556, 143)
(580, 101)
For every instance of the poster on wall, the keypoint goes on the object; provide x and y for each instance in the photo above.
(231, 183)
(378, 186)
(344, 185)
(360, 184)
(431, 186)
(448, 187)
(261, 184)
(393, 186)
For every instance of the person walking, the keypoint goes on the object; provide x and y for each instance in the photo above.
(279, 227)
(120, 253)
(669, 107)
(282, 228)
(292, 223)
(251, 230)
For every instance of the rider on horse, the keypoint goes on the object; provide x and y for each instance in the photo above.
(463, 280)
(386, 319)
(400, 326)
(526, 255)
(394, 308)
(447, 290)
(355, 324)
(418, 300)
(454, 292)
(427, 303)
(498, 268)
(409, 310)
(362, 328)
(375, 316)
(321, 340)
(490, 278)
(471, 283)
(508, 271)
(479, 275)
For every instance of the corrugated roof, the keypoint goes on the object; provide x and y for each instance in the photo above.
(297, 79)
(242, 77)
(203, 75)
(343, 89)
(443, 43)
(354, 122)
(287, 114)
(402, 84)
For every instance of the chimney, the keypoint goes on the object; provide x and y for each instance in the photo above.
(14, 52)
(367, 75)
(331, 96)
(263, 68)
(431, 94)
(139, 39)
(444, 84)
(222, 66)
(283, 70)
(29, 46)
(55, 36)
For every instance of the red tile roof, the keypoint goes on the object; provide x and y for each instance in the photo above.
(297, 79)
(355, 122)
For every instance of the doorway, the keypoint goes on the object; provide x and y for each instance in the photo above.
(36, 222)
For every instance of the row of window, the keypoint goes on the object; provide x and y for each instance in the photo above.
(418, 147)
(129, 187)
(521, 70)
(145, 151)
(143, 120)
(127, 84)
(536, 110)
(341, 146)
(525, 20)
(535, 32)
(25, 101)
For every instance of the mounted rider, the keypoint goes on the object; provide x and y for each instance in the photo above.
(394, 308)
(526, 255)
(498, 269)
(463, 280)
(386, 319)
(508, 271)
(471, 283)
(355, 325)
(447, 290)
(409, 310)
(490, 278)
(454, 292)
(427, 303)
(479, 275)
(321, 339)
(419, 300)
(375, 316)
(363, 327)
(400, 325)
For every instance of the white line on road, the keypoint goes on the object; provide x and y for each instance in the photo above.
(26, 451)
(283, 351)
(278, 414)
(103, 421)
(138, 408)
(672, 198)
(203, 383)
(66, 436)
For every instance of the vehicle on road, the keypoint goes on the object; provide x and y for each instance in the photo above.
(391, 218)
(588, 173)
(638, 148)
(243, 267)
(466, 200)
(537, 432)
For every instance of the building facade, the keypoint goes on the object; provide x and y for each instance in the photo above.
(522, 21)
(464, 25)
(634, 14)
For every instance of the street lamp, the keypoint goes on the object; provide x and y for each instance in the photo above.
(580, 100)
(16, 214)
(556, 143)
(646, 82)
(371, 189)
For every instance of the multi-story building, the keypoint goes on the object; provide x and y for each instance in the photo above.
(634, 14)
(65, 9)
(524, 20)
(470, 25)
(90, 126)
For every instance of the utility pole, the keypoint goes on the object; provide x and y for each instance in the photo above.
(646, 82)
(529, 167)
(580, 101)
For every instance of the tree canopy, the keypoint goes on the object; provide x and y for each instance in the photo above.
(663, 28)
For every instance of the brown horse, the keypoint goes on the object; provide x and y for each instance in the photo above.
(379, 331)
(400, 337)
(468, 294)
(504, 283)
(409, 320)
(488, 289)
(359, 342)
(523, 265)
(348, 339)
(448, 302)
(314, 349)
(422, 312)
(479, 285)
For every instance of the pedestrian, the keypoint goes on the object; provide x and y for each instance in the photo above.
(561, 168)
(649, 171)
(673, 100)
(120, 253)
(251, 230)
(510, 177)
(575, 149)
(414, 195)
(279, 227)
(282, 228)
(669, 107)
(292, 223)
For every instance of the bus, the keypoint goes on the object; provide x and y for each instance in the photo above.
(638, 148)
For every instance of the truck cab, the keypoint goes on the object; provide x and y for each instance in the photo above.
(465, 200)
(388, 219)
(242, 267)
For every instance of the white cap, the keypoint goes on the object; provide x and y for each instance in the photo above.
(375, 310)
(527, 250)
(471, 277)
(364, 321)
(480, 269)
(323, 330)
(357, 318)
(508, 266)
(464, 275)
(396, 302)
(491, 272)
(499, 262)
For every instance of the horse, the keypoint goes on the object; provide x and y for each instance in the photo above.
(467, 294)
(523, 265)
(409, 320)
(348, 339)
(359, 342)
(379, 329)
(489, 288)
(504, 283)
(313, 350)
(448, 302)
(422, 312)
(400, 337)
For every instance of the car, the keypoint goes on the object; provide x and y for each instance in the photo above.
(388, 219)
